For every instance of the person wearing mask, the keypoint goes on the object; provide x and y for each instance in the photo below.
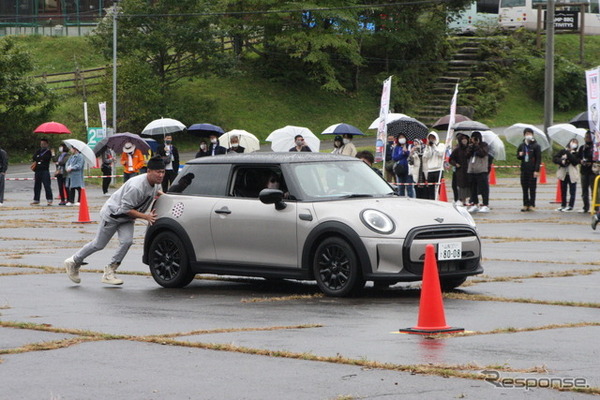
(118, 215)
(388, 170)
(234, 145)
(586, 155)
(215, 148)
(433, 157)
(460, 161)
(202, 150)
(348, 149)
(74, 168)
(337, 145)
(61, 173)
(170, 155)
(132, 160)
(108, 159)
(478, 168)
(300, 145)
(41, 162)
(567, 160)
(530, 154)
(3, 168)
(400, 157)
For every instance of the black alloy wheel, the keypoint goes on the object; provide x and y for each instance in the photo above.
(168, 261)
(336, 268)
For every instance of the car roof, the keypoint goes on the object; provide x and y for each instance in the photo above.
(270, 158)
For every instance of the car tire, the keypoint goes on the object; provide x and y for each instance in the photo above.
(336, 268)
(168, 261)
(451, 284)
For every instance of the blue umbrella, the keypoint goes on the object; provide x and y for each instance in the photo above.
(342, 129)
(205, 130)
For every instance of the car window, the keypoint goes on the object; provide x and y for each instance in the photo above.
(202, 179)
(248, 181)
(339, 179)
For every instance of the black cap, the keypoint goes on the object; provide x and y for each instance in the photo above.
(338, 138)
(156, 163)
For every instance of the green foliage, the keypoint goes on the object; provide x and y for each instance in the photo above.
(24, 104)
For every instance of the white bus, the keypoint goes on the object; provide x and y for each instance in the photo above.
(476, 14)
(524, 14)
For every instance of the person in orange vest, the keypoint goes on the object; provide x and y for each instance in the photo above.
(132, 160)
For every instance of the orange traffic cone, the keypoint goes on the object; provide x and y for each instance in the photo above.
(84, 212)
(492, 176)
(558, 196)
(431, 306)
(543, 174)
(443, 195)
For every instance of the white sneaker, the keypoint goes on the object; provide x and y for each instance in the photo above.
(458, 203)
(560, 209)
(69, 204)
(484, 209)
(76, 204)
(473, 209)
(567, 209)
(1, 204)
(109, 275)
(72, 269)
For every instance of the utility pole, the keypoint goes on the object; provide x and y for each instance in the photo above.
(549, 76)
(114, 99)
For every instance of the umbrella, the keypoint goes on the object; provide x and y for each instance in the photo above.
(282, 139)
(342, 129)
(52, 127)
(163, 126)
(409, 127)
(442, 123)
(205, 130)
(470, 126)
(514, 135)
(496, 145)
(563, 133)
(83, 148)
(248, 141)
(116, 142)
(390, 117)
(581, 120)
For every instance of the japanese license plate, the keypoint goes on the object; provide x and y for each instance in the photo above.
(449, 251)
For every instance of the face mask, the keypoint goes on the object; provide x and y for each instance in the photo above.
(346, 141)
(60, 149)
(299, 142)
(234, 144)
(573, 146)
(167, 142)
(203, 146)
(529, 138)
(402, 141)
(213, 141)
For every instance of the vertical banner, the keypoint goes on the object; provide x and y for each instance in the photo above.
(593, 104)
(85, 115)
(450, 134)
(384, 109)
(102, 107)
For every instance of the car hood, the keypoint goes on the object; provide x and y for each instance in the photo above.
(405, 212)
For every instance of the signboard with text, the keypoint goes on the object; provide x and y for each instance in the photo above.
(565, 20)
(94, 135)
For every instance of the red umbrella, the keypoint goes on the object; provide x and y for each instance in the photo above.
(52, 127)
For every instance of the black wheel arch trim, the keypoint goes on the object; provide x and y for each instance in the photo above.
(334, 228)
(163, 225)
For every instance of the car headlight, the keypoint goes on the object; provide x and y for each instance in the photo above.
(463, 211)
(377, 221)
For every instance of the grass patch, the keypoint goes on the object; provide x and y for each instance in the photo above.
(283, 298)
(530, 329)
(481, 297)
(233, 330)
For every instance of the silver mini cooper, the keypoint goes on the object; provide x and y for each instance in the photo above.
(306, 216)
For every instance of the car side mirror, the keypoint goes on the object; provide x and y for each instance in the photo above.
(272, 196)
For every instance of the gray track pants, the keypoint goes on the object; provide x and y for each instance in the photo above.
(106, 231)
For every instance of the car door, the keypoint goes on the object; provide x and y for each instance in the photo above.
(246, 231)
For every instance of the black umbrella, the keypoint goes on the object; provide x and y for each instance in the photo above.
(409, 127)
(581, 120)
(443, 122)
(470, 126)
(204, 130)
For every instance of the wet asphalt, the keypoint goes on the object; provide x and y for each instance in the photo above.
(534, 314)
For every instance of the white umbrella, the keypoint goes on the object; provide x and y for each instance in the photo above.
(248, 141)
(83, 148)
(282, 139)
(496, 145)
(390, 117)
(563, 133)
(514, 135)
(163, 126)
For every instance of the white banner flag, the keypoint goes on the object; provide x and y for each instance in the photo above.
(592, 77)
(450, 134)
(384, 109)
(102, 107)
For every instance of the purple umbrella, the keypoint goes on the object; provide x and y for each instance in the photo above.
(116, 143)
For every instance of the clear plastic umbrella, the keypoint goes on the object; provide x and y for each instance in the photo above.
(514, 135)
(496, 145)
(248, 141)
(563, 133)
(84, 149)
(282, 139)
(163, 126)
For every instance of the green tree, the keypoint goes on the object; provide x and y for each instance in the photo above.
(24, 103)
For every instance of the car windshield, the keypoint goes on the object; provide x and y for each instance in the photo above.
(339, 179)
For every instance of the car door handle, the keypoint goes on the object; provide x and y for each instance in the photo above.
(223, 210)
